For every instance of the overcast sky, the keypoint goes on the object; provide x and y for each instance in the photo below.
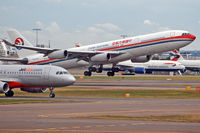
(66, 22)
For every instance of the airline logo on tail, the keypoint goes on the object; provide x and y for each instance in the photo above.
(176, 55)
(19, 41)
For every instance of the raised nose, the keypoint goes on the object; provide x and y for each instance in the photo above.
(193, 37)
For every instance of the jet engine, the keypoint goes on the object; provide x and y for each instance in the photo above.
(24, 61)
(34, 90)
(104, 57)
(142, 70)
(58, 54)
(139, 70)
(4, 87)
(141, 59)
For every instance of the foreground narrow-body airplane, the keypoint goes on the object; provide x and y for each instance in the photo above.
(128, 67)
(33, 78)
(138, 48)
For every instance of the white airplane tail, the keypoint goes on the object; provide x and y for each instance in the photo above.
(176, 55)
(18, 39)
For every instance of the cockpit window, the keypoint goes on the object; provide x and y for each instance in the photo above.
(61, 72)
(185, 34)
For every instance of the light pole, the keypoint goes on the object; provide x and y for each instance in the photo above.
(36, 30)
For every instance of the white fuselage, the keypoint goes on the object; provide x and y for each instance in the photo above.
(35, 76)
(155, 65)
(131, 47)
(190, 63)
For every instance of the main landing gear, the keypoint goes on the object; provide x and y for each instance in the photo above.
(113, 70)
(100, 69)
(10, 93)
(52, 94)
(93, 69)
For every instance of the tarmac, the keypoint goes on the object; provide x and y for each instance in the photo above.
(66, 116)
(167, 84)
(72, 115)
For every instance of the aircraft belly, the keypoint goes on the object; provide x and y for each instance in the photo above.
(67, 64)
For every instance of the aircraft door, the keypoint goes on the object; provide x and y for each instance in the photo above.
(172, 34)
(46, 72)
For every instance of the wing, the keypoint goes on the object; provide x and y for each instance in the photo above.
(8, 80)
(23, 61)
(77, 54)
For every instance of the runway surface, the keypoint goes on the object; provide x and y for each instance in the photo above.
(137, 84)
(64, 116)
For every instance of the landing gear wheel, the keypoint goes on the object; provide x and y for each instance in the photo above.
(110, 73)
(87, 73)
(52, 95)
(92, 69)
(10, 93)
(99, 70)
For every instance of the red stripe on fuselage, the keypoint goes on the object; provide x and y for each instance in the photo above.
(41, 61)
(14, 84)
(169, 63)
(163, 39)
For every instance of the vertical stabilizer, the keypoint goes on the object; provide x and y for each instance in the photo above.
(18, 39)
(176, 55)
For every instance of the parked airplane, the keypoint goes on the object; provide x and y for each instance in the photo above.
(33, 78)
(148, 67)
(192, 65)
(138, 48)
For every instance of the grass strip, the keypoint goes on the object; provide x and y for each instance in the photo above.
(112, 93)
(171, 118)
(121, 93)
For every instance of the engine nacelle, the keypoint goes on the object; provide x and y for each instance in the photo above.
(139, 70)
(141, 59)
(148, 72)
(4, 87)
(34, 90)
(24, 61)
(58, 54)
(104, 57)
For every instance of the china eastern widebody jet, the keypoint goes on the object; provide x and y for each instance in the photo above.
(33, 78)
(96, 55)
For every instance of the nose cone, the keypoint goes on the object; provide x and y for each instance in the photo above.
(193, 37)
(70, 80)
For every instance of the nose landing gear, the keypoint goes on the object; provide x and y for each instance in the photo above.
(52, 94)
